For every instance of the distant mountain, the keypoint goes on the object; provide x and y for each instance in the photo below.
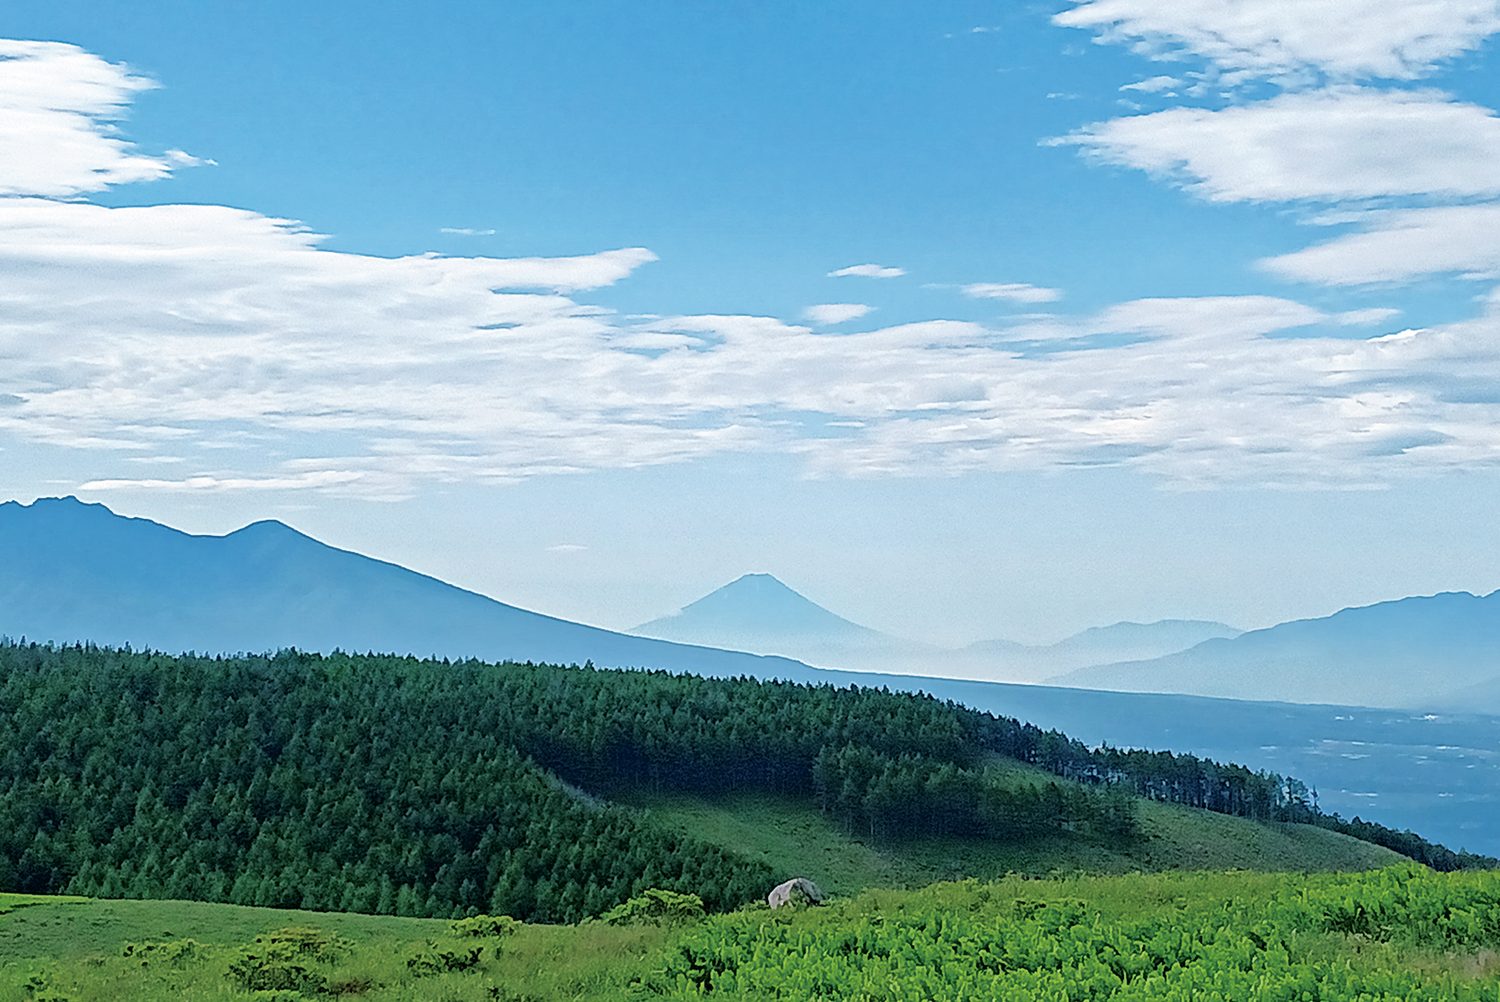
(1096, 645)
(1438, 650)
(757, 612)
(72, 571)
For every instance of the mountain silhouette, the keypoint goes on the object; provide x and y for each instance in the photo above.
(1436, 650)
(757, 612)
(74, 571)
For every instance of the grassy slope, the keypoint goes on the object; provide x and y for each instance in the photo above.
(73, 948)
(791, 835)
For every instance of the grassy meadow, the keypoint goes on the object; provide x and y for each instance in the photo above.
(791, 834)
(1382, 936)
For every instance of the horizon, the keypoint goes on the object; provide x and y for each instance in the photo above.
(728, 583)
(976, 322)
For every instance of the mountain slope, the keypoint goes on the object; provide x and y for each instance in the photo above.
(759, 613)
(75, 571)
(1413, 652)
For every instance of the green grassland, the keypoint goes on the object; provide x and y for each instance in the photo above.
(791, 835)
(1387, 936)
(85, 950)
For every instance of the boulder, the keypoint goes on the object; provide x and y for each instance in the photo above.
(797, 891)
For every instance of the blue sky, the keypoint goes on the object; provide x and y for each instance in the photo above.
(1186, 310)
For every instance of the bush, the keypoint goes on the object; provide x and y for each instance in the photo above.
(486, 926)
(283, 960)
(260, 971)
(656, 906)
(175, 952)
(437, 960)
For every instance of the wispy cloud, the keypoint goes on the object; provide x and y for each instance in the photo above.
(1011, 292)
(1325, 145)
(829, 314)
(466, 231)
(56, 105)
(867, 271)
(1153, 85)
(224, 338)
(1337, 39)
(566, 548)
(1401, 245)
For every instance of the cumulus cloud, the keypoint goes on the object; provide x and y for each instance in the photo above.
(868, 271)
(1011, 292)
(1327, 145)
(1337, 39)
(241, 346)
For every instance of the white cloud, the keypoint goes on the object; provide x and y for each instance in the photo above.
(1400, 245)
(237, 344)
(566, 548)
(1153, 85)
(56, 103)
(1329, 145)
(1011, 292)
(1366, 317)
(465, 231)
(1342, 39)
(868, 271)
(829, 314)
(337, 480)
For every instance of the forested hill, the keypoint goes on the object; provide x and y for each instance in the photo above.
(389, 784)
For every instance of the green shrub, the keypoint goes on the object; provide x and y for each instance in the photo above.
(260, 971)
(176, 952)
(486, 926)
(284, 960)
(440, 960)
(655, 906)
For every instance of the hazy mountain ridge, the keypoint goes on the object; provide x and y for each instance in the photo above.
(1096, 645)
(757, 612)
(76, 571)
(1434, 651)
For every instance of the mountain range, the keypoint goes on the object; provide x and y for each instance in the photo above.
(758, 612)
(74, 571)
(1437, 651)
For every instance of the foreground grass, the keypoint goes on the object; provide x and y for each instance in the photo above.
(795, 838)
(1388, 936)
(99, 951)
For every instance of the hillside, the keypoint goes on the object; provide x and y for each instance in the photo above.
(1415, 652)
(791, 834)
(1129, 938)
(315, 781)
